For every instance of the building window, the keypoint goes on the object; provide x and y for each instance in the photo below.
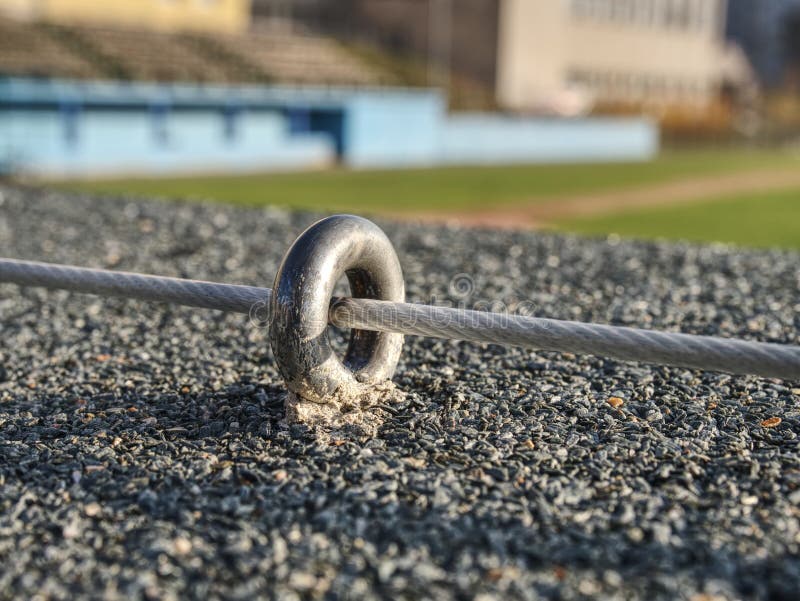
(672, 13)
(581, 8)
(619, 10)
(682, 11)
(641, 11)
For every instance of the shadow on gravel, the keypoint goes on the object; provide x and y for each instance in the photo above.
(237, 409)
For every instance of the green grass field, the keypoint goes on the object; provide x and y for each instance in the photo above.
(749, 221)
(456, 188)
(770, 219)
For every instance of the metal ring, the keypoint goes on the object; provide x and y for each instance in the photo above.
(342, 244)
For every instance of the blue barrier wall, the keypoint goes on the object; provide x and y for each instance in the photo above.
(485, 139)
(73, 128)
(399, 130)
(140, 142)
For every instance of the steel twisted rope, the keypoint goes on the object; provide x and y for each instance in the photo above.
(193, 293)
(624, 343)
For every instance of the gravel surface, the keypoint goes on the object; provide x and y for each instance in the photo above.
(142, 453)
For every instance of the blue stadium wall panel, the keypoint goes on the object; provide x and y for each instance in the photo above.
(74, 129)
(486, 139)
(395, 130)
(101, 141)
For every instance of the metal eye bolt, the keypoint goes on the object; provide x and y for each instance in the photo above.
(304, 284)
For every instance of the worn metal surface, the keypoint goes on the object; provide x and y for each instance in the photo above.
(336, 246)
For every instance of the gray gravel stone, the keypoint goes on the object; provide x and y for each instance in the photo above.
(142, 454)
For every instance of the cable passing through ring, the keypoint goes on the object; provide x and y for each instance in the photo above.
(300, 308)
(298, 333)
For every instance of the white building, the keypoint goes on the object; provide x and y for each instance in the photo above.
(560, 54)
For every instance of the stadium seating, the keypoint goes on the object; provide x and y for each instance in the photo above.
(59, 51)
(301, 58)
(151, 56)
(29, 50)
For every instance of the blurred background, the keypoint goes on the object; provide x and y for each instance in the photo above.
(643, 118)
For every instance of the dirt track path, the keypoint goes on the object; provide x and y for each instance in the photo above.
(540, 211)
